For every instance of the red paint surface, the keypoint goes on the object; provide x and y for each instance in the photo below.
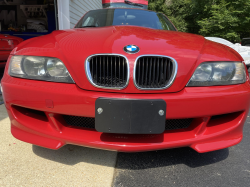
(7, 44)
(74, 46)
(144, 2)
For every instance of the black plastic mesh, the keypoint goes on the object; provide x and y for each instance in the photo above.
(173, 124)
(77, 121)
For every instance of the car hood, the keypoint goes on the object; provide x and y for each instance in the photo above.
(242, 50)
(75, 45)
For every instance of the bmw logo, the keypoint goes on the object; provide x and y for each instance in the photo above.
(131, 49)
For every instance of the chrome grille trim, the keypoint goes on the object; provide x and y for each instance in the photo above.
(89, 76)
(171, 79)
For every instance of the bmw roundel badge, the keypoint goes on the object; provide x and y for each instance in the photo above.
(131, 49)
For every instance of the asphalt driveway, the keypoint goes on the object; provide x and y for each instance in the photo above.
(184, 167)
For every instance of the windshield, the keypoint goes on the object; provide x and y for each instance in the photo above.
(136, 17)
(124, 5)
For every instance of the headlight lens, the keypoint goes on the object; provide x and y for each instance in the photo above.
(218, 73)
(39, 68)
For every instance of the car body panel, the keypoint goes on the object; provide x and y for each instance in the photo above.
(68, 99)
(187, 49)
(244, 51)
(7, 44)
(37, 108)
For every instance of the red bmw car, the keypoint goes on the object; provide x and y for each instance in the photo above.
(126, 80)
(7, 44)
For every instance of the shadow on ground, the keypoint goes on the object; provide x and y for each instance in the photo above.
(180, 167)
(163, 158)
(72, 154)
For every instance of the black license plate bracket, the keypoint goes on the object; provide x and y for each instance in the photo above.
(130, 116)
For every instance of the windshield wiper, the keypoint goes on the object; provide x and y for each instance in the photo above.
(88, 26)
(131, 3)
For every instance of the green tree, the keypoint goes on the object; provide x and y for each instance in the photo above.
(229, 19)
(176, 11)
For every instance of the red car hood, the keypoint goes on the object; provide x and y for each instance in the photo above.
(75, 45)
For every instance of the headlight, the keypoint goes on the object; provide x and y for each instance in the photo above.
(218, 73)
(39, 68)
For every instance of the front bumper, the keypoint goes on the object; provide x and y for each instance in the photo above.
(57, 99)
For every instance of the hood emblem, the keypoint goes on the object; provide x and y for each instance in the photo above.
(131, 49)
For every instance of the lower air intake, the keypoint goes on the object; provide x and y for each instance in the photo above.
(84, 122)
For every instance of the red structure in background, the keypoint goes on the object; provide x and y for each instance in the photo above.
(7, 43)
(143, 2)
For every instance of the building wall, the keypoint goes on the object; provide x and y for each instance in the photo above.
(77, 8)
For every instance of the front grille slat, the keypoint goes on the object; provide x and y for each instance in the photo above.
(119, 71)
(100, 60)
(104, 80)
(152, 85)
(91, 67)
(161, 75)
(108, 71)
(111, 72)
(142, 77)
(96, 71)
(123, 68)
(165, 71)
(115, 72)
(169, 70)
(150, 69)
(157, 74)
(86, 122)
(139, 72)
(154, 72)
(146, 77)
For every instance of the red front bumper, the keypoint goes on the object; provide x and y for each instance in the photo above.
(55, 99)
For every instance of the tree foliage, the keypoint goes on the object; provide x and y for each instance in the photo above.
(229, 19)
(176, 11)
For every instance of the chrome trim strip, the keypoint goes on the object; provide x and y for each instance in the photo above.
(87, 71)
(171, 80)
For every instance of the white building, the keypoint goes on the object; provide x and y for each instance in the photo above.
(70, 11)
